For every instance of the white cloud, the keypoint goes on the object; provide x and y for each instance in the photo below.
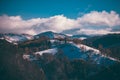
(93, 32)
(33, 26)
(100, 19)
(58, 23)
(90, 23)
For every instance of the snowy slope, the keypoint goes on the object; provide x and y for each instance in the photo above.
(15, 38)
(73, 51)
(94, 52)
(89, 54)
(50, 51)
(87, 48)
(31, 57)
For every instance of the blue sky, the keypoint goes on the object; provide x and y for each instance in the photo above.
(46, 8)
(91, 17)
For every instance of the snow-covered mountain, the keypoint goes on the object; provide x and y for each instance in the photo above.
(78, 51)
(53, 55)
(50, 34)
(15, 38)
(70, 49)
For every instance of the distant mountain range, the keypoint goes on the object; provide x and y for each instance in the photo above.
(52, 35)
(17, 38)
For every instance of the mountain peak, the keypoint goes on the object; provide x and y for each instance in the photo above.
(50, 34)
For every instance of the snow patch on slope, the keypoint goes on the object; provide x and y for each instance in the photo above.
(29, 57)
(95, 51)
(87, 48)
(51, 51)
(82, 38)
(25, 56)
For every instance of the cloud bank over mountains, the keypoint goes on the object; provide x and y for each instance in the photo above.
(90, 23)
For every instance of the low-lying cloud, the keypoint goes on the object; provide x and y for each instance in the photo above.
(90, 23)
